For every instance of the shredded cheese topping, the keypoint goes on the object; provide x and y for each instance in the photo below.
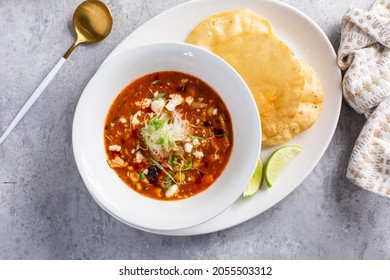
(162, 133)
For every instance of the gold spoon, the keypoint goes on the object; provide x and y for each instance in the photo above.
(92, 22)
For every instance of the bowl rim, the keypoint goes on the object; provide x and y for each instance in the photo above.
(189, 49)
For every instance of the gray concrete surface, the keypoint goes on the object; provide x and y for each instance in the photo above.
(47, 213)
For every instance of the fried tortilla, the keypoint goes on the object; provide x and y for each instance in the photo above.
(287, 91)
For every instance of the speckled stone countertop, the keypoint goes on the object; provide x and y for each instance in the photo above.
(47, 213)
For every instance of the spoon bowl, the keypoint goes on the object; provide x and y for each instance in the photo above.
(92, 22)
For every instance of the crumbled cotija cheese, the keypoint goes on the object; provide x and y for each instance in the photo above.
(157, 105)
(176, 100)
(188, 147)
(115, 148)
(138, 157)
(135, 120)
(144, 103)
(198, 154)
(171, 191)
(196, 142)
(189, 100)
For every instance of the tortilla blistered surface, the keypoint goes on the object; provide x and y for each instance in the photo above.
(287, 91)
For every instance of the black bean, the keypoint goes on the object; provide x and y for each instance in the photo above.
(207, 123)
(181, 89)
(218, 132)
(153, 172)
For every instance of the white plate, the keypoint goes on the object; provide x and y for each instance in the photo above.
(308, 42)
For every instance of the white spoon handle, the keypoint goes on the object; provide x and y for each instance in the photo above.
(33, 98)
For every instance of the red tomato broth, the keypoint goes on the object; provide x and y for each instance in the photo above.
(166, 131)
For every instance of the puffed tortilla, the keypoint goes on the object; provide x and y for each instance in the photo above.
(221, 27)
(287, 91)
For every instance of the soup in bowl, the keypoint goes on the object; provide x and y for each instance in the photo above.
(166, 136)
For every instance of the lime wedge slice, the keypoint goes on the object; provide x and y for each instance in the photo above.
(255, 182)
(277, 161)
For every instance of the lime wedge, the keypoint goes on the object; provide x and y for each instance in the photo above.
(277, 161)
(255, 182)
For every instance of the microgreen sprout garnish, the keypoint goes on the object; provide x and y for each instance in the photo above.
(160, 141)
(198, 137)
(159, 95)
(162, 132)
(178, 159)
(162, 169)
(142, 175)
(175, 161)
(168, 182)
(179, 163)
(158, 123)
(188, 166)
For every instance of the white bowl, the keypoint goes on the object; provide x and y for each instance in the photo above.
(109, 191)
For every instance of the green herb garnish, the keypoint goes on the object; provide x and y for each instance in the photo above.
(162, 169)
(160, 95)
(157, 123)
(170, 143)
(168, 182)
(188, 166)
(170, 159)
(160, 141)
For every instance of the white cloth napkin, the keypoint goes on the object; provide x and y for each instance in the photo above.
(364, 54)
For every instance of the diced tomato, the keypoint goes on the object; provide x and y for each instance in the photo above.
(207, 179)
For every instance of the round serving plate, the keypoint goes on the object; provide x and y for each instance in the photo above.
(306, 39)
